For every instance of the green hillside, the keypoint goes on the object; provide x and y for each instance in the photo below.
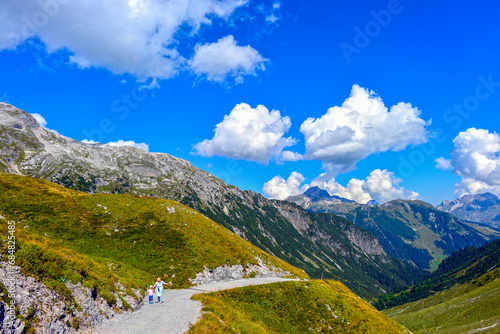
(99, 240)
(291, 307)
(413, 230)
(466, 308)
(461, 267)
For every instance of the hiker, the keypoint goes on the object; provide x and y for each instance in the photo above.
(150, 294)
(159, 288)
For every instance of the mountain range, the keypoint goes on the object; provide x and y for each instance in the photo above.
(410, 230)
(323, 245)
(461, 296)
(479, 208)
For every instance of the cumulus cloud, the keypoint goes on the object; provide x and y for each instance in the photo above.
(291, 156)
(119, 143)
(380, 185)
(476, 159)
(90, 141)
(279, 188)
(249, 134)
(224, 58)
(361, 126)
(443, 164)
(40, 119)
(138, 37)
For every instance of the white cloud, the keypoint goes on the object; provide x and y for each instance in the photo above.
(89, 142)
(272, 18)
(139, 37)
(119, 143)
(360, 127)
(279, 188)
(380, 185)
(249, 134)
(224, 58)
(354, 190)
(273, 13)
(153, 84)
(443, 164)
(383, 186)
(291, 156)
(476, 159)
(40, 119)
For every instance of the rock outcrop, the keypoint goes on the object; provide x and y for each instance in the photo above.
(230, 273)
(47, 312)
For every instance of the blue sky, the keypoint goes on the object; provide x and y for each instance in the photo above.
(166, 73)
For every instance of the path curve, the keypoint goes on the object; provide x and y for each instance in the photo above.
(174, 315)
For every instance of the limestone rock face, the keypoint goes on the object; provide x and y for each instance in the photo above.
(53, 313)
(480, 208)
(237, 272)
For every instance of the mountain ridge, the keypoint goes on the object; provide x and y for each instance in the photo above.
(479, 208)
(410, 230)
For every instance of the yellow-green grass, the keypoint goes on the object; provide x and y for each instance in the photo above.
(99, 240)
(466, 308)
(291, 307)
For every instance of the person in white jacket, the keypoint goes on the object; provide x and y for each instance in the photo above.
(159, 289)
(151, 294)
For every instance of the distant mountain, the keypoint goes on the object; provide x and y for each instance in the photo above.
(481, 208)
(408, 230)
(321, 244)
(316, 199)
(462, 296)
(316, 193)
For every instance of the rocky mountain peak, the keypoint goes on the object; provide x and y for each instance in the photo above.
(16, 117)
(481, 208)
(316, 193)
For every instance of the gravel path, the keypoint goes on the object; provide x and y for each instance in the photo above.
(174, 315)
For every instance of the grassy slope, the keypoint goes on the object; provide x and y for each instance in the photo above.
(68, 235)
(461, 267)
(466, 308)
(291, 307)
